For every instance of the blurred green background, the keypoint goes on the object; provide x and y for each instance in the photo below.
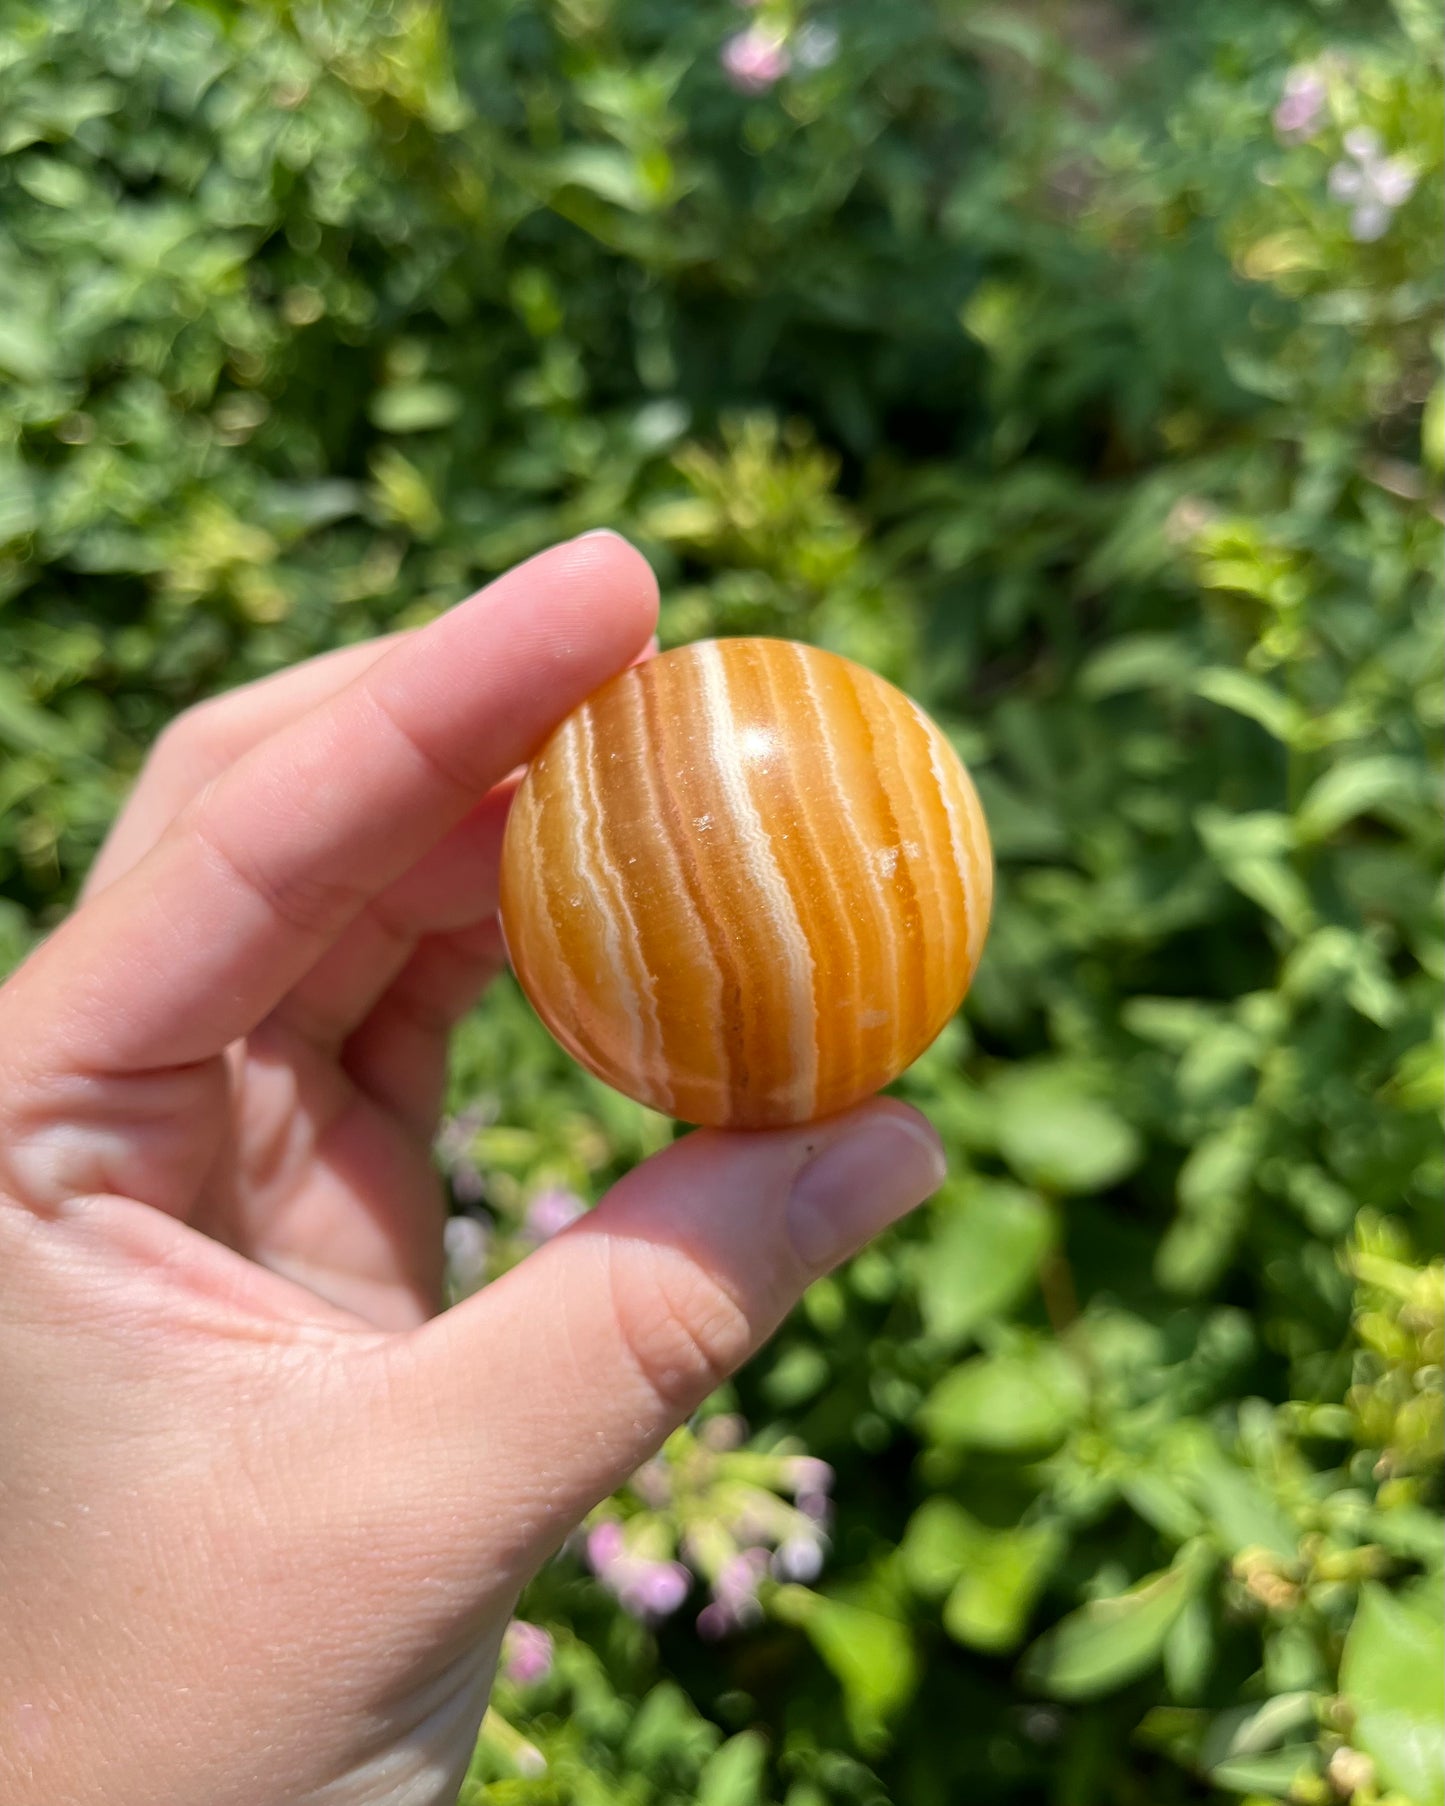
(1075, 363)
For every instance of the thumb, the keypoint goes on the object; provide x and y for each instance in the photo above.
(547, 1389)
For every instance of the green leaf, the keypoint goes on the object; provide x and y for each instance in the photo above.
(1249, 1730)
(19, 503)
(1411, 1531)
(1056, 1133)
(1110, 1641)
(1024, 1399)
(991, 1577)
(415, 407)
(1381, 784)
(1332, 961)
(663, 1725)
(872, 1656)
(1240, 1512)
(1021, 825)
(1161, 1501)
(1176, 1730)
(1392, 1673)
(1189, 1650)
(27, 351)
(1432, 430)
(799, 1373)
(1172, 1022)
(1139, 661)
(1250, 696)
(985, 1251)
(27, 727)
(734, 1774)
(990, 1603)
(607, 171)
(54, 183)
(402, 494)
(937, 1546)
(1252, 851)
(1213, 1191)
(1275, 1772)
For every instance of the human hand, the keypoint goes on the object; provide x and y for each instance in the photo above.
(263, 1518)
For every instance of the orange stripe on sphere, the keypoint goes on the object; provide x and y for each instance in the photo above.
(746, 883)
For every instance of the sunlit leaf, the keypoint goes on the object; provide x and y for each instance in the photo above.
(1248, 695)
(992, 1599)
(1392, 1673)
(733, 1775)
(1056, 1133)
(1110, 1641)
(415, 407)
(873, 1656)
(989, 1241)
(1382, 784)
(1238, 1509)
(1024, 1399)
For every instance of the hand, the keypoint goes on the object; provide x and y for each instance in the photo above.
(263, 1517)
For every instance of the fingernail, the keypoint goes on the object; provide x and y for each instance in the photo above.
(599, 533)
(873, 1175)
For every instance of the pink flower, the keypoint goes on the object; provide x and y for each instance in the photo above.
(647, 1589)
(714, 1621)
(1301, 110)
(454, 1144)
(653, 1484)
(807, 1476)
(754, 59)
(457, 1133)
(817, 1506)
(1394, 181)
(526, 1653)
(652, 1589)
(466, 1240)
(799, 1558)
(605, 1545)
(734, 1600)
(736, 1587)
(550, 1212)
(468, 1185)
(815, 46)
(751, 1524)
(723, 1433)
(1362, 144)
(1370, 184)
(530, 1761)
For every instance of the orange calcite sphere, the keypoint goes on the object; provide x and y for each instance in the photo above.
(746, 882)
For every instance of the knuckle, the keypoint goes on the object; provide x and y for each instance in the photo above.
(302, 900)
(683, 1330)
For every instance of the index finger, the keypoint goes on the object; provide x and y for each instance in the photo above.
(200, 744)
(197, 943)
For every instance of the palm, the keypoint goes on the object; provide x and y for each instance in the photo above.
(325, 1184)
(299, 1133)
(305, 1144)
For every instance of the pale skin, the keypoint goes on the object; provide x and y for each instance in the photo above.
(264, 1513)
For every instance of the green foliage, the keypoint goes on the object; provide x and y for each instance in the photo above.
(1109, 1641)
(1392, 1674)
(1019, 353)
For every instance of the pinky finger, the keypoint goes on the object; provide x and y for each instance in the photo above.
(398, 1056)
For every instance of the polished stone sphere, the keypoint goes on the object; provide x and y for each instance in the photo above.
(746, 882)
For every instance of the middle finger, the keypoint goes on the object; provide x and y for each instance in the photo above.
(453, 887)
